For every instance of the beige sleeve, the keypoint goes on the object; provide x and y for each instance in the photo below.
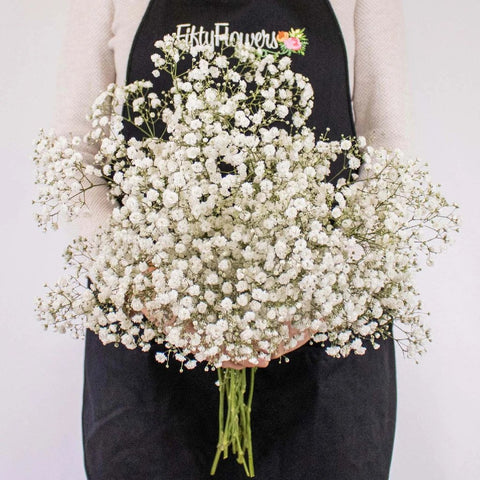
(86, 67)
(381, 100)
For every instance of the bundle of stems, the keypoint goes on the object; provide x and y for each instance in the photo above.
(234, 417)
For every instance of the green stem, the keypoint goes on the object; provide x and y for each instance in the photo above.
(249, 424)
(220, 420)
(234, 429)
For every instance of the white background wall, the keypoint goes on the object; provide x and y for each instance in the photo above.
(41, 373)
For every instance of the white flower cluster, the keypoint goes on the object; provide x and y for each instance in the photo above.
(224, 263)
(61, 177)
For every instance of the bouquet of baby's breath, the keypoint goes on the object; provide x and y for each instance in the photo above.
(229, 229)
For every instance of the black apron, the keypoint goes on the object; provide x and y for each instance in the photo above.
(313, 418)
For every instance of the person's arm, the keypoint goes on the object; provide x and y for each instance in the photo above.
(381, 93)
(86, 67)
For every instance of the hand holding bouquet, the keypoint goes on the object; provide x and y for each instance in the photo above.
(229, 230)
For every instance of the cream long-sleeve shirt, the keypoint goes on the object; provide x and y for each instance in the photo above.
(97, 44)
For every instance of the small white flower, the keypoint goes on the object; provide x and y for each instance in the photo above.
(337, 212)
(137, 304)
(190, 138)
(190, 364)
(169, 198)
(354, 163)
(333, 351)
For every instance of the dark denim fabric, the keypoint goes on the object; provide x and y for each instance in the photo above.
(313, 418)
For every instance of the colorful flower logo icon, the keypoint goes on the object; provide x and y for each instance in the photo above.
(293, 41)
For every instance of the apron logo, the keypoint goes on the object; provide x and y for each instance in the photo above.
(275, 43)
